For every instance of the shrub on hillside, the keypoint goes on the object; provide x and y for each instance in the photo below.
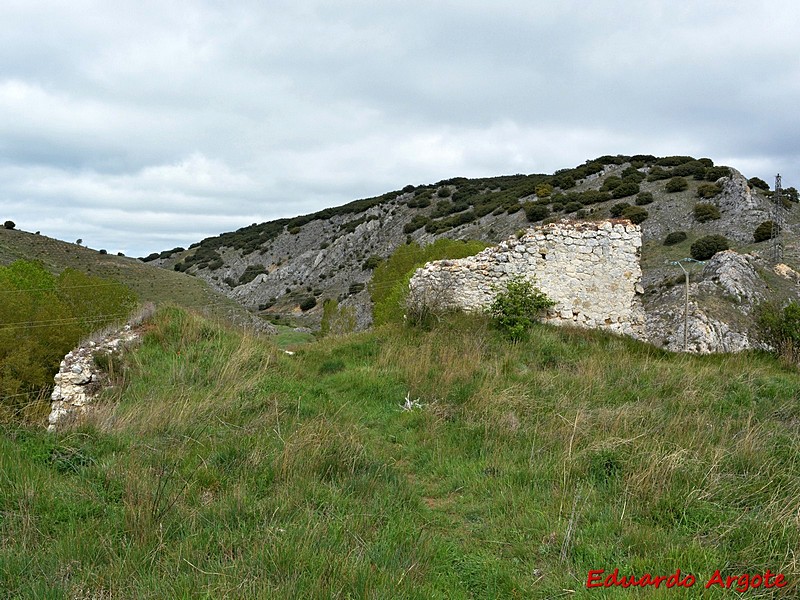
(635, 214)
(715, 173)
(250, 273)
(619, 208)
(763, 232)
(308, 303)
(708, 246)
(444, 192)
(643, 198)
(674, 237)
(571, 207)
(677, 184)
(708, 190)
(372, 262)
(657, 174)
(417, 222)
(626, 188)
(517, 307)
(611, 183)
(706, 212)
(356, 287)
(759, 183)
(9, 225)
(692, 168)
(537, 212)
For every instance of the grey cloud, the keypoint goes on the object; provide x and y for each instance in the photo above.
(150, 120)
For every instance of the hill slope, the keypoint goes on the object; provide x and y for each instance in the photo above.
(224, 468)
(330, 254)
(148, 283)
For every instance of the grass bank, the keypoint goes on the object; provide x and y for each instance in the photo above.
(223, 467)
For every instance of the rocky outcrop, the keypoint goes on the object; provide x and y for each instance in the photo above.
(590, 269)
(722, 298)
(736, 276)
(79, 379)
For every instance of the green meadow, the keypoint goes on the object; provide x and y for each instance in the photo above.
(220, 466)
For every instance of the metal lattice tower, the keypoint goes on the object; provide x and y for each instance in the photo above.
(777, 221)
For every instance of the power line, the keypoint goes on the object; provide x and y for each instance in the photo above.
(57, 288)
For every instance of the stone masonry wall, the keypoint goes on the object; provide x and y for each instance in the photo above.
(591, 270)
(79, 379)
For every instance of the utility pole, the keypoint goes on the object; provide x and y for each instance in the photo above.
(686, 303)
(777, 221)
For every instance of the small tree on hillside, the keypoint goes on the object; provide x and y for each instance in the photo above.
(708, 246)
(9, 224)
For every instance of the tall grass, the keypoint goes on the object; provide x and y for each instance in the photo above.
(226, 468)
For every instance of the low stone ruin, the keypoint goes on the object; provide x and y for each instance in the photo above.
(79, 379)
(590, 269)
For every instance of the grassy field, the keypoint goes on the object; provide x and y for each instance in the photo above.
(221, 467)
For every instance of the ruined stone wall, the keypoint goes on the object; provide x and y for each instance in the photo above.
(591, 270)
(79, 379)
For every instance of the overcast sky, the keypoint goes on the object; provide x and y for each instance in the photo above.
(139, 126)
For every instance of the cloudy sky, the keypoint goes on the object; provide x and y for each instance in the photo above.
(138, 126)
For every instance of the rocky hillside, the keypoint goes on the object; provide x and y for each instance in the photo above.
(289, 266)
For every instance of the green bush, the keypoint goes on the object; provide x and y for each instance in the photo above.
(644, 198)
(635, 214)
(716, 173)
(611, 183)
(657, 174)
(619, 208)
(708, 246)
(372, 262)
(308, 303)
(674, 237)
(625, 189)
(517, 307)
(708, 190)
(444, 192)
(706, 212)
(43, 316)
(677, 184)
(763, 232)
(759, 183)
(250, 273)
(355, 288)
(536, 212)
(571, 207)
(9, 225)
(780, 329)
(417, 222)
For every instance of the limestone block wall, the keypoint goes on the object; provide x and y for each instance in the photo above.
(591, 270)
(79, 379)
